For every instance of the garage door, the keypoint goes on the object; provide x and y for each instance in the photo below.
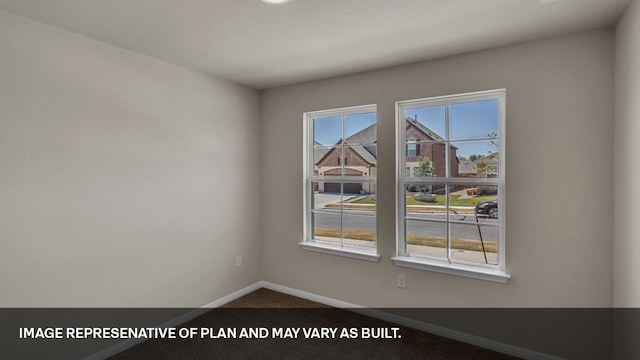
(332, 188)
(352, 188)
(349, 188)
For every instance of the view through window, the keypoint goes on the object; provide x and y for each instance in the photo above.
(340, 179)
(450, 181)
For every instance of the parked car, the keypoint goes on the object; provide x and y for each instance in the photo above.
(488, 208)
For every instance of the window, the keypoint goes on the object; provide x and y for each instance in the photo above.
(340, 182)
(451, 205)
(411, 148)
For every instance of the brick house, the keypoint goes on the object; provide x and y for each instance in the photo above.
(424, 142)
(360, 159)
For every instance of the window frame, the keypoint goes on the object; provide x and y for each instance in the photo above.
(496, 273)
(309, 243)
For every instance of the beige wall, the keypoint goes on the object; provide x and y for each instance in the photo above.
(124, 180)
(626, 264)
(559, 177)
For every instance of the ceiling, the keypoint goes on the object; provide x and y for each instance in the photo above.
(263, 46)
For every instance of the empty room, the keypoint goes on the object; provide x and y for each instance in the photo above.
(449, 178)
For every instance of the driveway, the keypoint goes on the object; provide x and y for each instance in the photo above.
(322, 199)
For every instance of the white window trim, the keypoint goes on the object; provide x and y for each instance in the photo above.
(476, 271)
(309, 243)
(333, 250)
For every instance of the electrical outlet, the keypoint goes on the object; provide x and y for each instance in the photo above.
(238, 260)
(401, 281)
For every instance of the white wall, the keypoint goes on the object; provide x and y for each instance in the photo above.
(626, 264)
(124, 180)
(559, 177)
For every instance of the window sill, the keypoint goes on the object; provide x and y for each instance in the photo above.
(469, 271)
(352, 253)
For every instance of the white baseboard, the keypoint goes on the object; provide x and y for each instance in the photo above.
(307, 295)
(418, 325)
(124, 345)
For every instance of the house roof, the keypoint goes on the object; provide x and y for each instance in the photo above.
(367, 155)
(465, 166)
(491, 158)
(365, 136)
(430, 133)
(319, 152)
(364, 142)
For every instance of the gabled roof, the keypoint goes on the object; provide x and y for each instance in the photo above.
(430, 133)
(319, 152)
(365, 136)
(367, 155)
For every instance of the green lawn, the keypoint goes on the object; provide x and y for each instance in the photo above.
(440, 200)
(367, 200)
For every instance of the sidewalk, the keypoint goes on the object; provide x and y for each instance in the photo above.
(464, 255)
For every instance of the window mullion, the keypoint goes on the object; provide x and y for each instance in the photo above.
(447, 166)
(343, 172)
(342, 215)
(447, 150)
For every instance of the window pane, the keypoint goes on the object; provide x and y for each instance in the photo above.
(359, 160)
(475, 243)
(425, 123)
(327, 161)
(326, 227)
(360, 128)
(486, 202)
(463, 200)
(359, 231)
(324, 197)
(478, 119)
(426, 238)
(429, 161)
(477, 159)
(425, 201)
(475, 235)
(327, 131)
(362, 199)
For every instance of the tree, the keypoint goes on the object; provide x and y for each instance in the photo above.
(424, 169)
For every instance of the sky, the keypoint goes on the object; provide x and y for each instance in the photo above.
(466, 121)
(469, 120)
(328, 131)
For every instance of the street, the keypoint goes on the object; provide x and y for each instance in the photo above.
(466, 229)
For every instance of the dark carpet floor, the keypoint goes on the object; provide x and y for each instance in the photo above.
(270, 309)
